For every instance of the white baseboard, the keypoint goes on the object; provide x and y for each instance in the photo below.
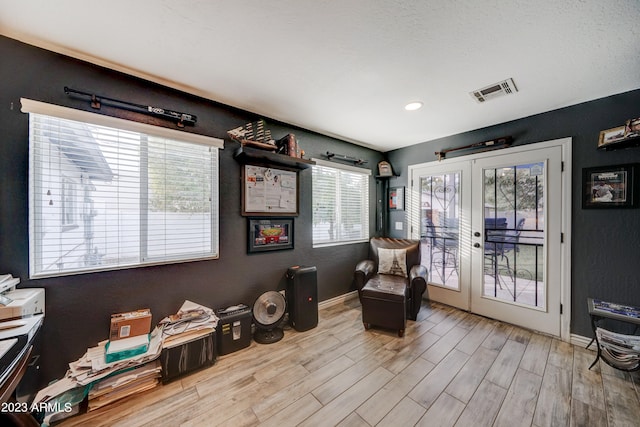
(581, 341)
(341, 299)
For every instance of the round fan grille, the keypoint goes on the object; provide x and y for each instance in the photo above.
(269, 308)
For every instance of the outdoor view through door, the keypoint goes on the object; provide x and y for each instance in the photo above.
(514, 234)
(440, 231)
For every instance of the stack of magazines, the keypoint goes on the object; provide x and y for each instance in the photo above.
(619, 350)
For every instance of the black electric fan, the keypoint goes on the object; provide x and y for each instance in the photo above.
(268, 312)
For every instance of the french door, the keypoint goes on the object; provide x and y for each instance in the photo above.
(490, 228)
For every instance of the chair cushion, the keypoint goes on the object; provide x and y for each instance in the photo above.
(411, 246)
(385, 286)
(392, 261)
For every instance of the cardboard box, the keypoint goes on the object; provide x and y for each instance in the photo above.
(131, 324)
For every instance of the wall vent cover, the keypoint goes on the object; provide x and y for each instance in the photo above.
(505, 87)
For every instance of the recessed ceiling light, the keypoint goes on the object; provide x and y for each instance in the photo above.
(412, 106)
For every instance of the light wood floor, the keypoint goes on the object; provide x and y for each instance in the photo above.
(451, 368)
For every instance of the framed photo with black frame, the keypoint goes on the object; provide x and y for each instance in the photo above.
(609, 187)
(266, 234)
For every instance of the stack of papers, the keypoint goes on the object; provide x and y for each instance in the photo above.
(190, 322)
(124, 384)
(92, 366)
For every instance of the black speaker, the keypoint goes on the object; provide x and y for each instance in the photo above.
(302, 297)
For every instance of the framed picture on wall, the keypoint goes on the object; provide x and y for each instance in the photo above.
(609, 187)
(269, 191)
(269, 234)
(396, 198)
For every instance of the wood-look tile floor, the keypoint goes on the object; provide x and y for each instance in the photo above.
(451, 368)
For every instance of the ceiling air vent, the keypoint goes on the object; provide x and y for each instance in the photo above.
(505, 87)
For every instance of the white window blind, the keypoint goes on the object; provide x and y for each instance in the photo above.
(103, 197)
(340, 203)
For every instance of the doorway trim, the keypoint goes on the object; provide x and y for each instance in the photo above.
(413, 218)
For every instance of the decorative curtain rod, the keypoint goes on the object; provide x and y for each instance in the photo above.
(344, 158)
(503, 142)
(97, 100)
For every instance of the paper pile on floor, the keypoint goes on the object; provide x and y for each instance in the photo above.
(190, 322)
(105, 382)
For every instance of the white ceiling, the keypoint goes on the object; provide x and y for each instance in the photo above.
(346, 68)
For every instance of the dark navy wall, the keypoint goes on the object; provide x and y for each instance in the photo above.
(78, 307)
(605, 261)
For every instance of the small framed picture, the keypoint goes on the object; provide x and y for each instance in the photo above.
(396, 198)
(609, 187)
(610, 136)
(269, 234)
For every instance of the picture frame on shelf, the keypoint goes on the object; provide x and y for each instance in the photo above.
(609, 187)
(267, 234)
(396, 198)
(611, 136)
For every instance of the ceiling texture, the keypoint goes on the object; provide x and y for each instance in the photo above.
(346, 68)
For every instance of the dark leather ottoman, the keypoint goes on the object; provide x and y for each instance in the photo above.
(383, 303)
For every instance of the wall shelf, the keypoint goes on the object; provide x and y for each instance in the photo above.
(630, 142)
(244, 154)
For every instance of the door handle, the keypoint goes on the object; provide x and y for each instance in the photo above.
(476, 245)
(477, 234)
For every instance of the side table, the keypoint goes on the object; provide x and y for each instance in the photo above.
(619, 351)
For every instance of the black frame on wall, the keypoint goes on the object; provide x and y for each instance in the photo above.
(607, 187)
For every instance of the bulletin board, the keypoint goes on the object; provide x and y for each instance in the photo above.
(269, 191)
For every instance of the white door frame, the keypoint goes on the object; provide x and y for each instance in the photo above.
(413, 217)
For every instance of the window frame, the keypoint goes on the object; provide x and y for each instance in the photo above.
(365, 217)
(58, 112)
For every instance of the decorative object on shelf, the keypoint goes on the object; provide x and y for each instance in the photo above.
(269, 234)
(269, 191)
(626, 136)
(254, 134)
(609, 187)
(632, 128)
(396, 198)
(288, 145)
(384, 169)
(97, 101)
(494, 144)
(333, 156)
(610, 136)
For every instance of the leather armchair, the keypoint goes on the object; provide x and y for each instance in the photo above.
(386, 287)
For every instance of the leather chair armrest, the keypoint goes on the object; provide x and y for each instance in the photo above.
(417, 272)
(416, 287)
(364, 271)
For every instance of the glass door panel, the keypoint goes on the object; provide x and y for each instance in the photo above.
(440, 219)
(440, 230)
(514, 234)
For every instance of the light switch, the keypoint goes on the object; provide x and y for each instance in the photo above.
(398, 225)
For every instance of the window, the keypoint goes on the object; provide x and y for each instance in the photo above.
(106, 193)
(340, 204)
